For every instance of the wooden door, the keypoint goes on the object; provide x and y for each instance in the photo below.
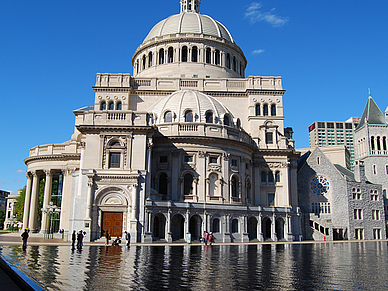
(113, 222)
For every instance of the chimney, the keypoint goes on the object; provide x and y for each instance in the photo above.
(359, 171)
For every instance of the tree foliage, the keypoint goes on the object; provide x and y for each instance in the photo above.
(2, 218)
(19, 204)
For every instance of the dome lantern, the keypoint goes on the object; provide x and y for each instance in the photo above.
(190, 5)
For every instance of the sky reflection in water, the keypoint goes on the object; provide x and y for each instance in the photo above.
(333, 266)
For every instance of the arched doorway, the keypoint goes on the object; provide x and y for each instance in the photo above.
(195, 227)
(279, 226)
(252, 228)
(267, 228)
(159, 227)
(177, 227)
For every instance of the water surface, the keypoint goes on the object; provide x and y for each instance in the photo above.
(331, 266)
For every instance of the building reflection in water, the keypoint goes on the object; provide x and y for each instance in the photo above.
(222, 267)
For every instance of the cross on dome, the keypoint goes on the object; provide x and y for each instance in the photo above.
(190, 5)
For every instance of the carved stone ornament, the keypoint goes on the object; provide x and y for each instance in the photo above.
(201, 154)
(234, 169)
(214, 168)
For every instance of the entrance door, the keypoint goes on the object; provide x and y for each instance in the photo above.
(113, 222)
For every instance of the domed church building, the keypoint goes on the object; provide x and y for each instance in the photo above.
(185, 144)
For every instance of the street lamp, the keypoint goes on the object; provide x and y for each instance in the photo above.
(51, 209)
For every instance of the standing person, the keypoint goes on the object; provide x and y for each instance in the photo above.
(73, 238)
(128, 238)
(205, 237)
(24, 239)
(80, 238)
(107, 238)
(210, 238)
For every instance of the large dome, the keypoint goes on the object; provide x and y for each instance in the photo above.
(200, 104)
(189, 22)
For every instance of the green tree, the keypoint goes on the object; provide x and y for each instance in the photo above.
(19, 204)
(2, 218)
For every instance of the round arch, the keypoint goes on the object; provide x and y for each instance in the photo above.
(252, 228)
(266, 228)
(159, 226)
(177, 227)
(279, 226)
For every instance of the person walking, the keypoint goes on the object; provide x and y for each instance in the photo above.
(73, 238)
(24, 239)
(107, 238)
(128, 238)
(210, 238)
(80, 238)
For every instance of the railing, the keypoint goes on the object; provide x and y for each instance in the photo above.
(188, 127)
(379, 152)
(117, 116)
(187, 83)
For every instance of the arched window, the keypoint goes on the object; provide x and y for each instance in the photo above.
(384, 143)
(265, 110)
(168, 116)
(188, 184)
(234, 187)
(378, 144)
(111, 106)
(226, 120)
(270, 178)
(103, 106)
(119, 106)
(273, 110)
(385, 193)
(257, 109)
(150, 59)
(241, 70)
(217, 58)
(277, 177)
(238, 123)
(234, 64)
(373, 142)
(184, 54)
(194, 54)
(144, 62)
(137, 66)
(234, 226)
(189, 116)
(263, 178)
(209, 117)
(170, 54)
(161, 56)
(228, 60)
(216, 225)
(208, 55)
(163, 184)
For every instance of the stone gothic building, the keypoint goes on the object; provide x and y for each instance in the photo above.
(184, 145)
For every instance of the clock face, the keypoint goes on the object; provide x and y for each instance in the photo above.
(319, 185)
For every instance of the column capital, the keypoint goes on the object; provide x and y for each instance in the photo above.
(48, 172)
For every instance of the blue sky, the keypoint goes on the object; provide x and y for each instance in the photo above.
(328, 52)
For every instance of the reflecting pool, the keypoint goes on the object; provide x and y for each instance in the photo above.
(328, 266)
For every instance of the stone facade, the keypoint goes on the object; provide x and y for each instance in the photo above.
(185, 145)
(336, 204)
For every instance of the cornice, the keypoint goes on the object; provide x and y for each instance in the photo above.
(60, 157)
(117, 128)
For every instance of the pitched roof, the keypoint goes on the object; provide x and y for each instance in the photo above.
(372, 114)
(349, 175)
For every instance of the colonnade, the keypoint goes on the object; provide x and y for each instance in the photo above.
(31, 202)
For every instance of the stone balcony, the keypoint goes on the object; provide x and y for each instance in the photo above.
(175, 84)
(204, 130)
(112, 118)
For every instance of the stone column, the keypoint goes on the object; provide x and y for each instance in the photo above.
(260, 228)
(89, 197)
(133, 222)
(27, 201)
(274, 234)
(187, 224)
(34, 202)
(46, 199)
(168, 222)
(245, 236)
(227, 237)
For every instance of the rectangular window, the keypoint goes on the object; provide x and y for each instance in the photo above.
(348, 125)
(188, 159)
(234, 162)
(375, 214)
(213, 160)
(114, 160)
(374, 170)
(321, 125)
(269, 138)
(357, 213)
(271, 199)
(163, 159)
(386, 169)
(376, 233)
(339, 125)
(359, 233)
(330, 125)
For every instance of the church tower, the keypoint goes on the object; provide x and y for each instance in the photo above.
(372, 145)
